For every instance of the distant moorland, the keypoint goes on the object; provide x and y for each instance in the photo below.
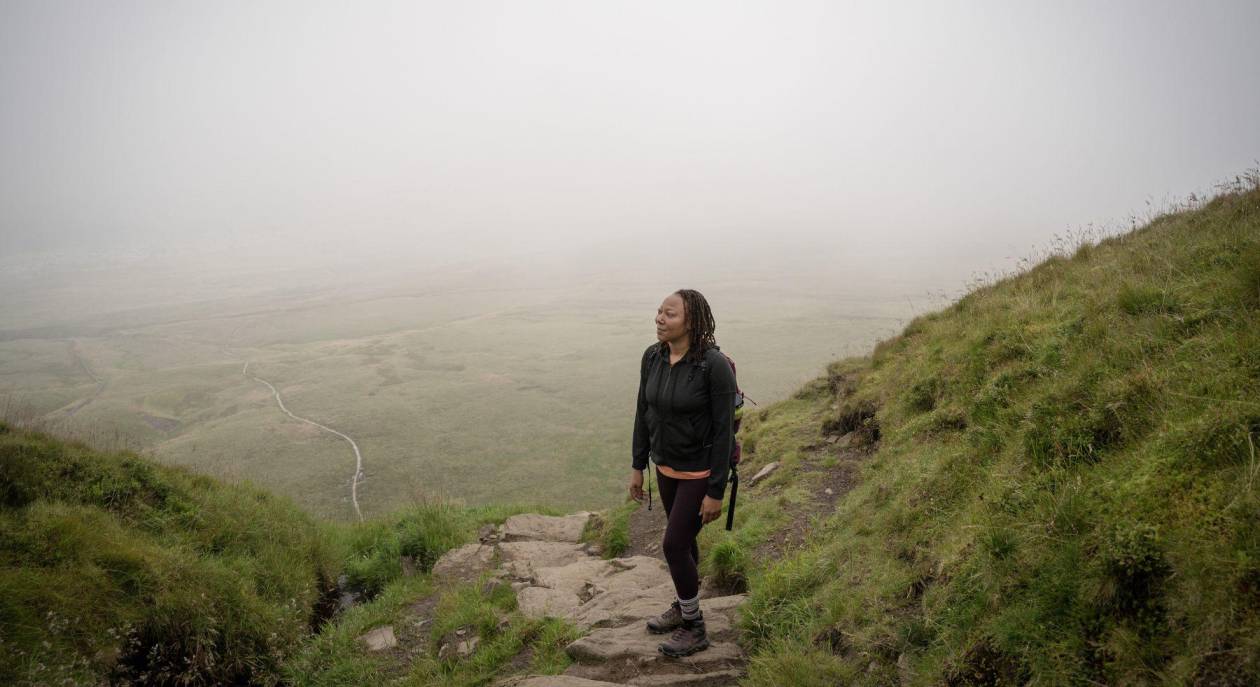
(475, 389)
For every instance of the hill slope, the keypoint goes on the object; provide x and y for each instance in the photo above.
(112, 567)
(1064, 485)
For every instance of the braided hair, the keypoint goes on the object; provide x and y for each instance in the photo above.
(700, 324)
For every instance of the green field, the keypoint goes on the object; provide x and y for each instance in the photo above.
(480, 393)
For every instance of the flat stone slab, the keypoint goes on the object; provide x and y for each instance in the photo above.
(521, 559)
(634, 606)
(554, 681)
(534, 527)
(466, 562)
(597, 592)
(717, 678)
(380, 639)
(610, 644)
(624, 605)
(540, 602)
(722, 604)
(644, 667)
(636, 572)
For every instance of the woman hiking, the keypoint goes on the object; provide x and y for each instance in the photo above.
(683, 421)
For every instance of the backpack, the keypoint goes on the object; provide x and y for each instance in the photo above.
(736, 450)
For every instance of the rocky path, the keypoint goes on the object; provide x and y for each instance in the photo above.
(555, 575)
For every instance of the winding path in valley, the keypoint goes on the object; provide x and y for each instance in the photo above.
(358, 456)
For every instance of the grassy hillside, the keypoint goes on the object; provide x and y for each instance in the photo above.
(114, 568)
(1065, 487)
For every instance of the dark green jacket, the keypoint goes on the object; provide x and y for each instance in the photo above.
(685, 414)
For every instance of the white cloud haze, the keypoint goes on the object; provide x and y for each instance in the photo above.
(860, 133)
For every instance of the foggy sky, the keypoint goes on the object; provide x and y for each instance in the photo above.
(921, 133)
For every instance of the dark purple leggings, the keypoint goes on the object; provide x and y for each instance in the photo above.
(682, 499)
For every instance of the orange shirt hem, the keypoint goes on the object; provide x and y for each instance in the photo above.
(679, 474)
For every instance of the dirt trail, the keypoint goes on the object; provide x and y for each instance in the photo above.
(358, 456)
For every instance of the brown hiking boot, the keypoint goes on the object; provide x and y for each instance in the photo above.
(686, 640)
(666, 621)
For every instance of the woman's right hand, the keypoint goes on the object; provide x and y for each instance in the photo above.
(636, 485)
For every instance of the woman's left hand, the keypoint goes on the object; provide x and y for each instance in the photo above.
(710, 509)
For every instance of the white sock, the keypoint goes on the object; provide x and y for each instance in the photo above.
(690, 608)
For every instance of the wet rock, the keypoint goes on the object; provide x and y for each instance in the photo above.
(380, 639)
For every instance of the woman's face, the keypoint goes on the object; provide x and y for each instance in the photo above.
(671, 319)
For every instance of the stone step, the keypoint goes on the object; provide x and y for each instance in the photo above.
(643, 664)
(553, 681)
(535, 527)
(634, 641)
(597, 592)
(717, 678)
(523, 559)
